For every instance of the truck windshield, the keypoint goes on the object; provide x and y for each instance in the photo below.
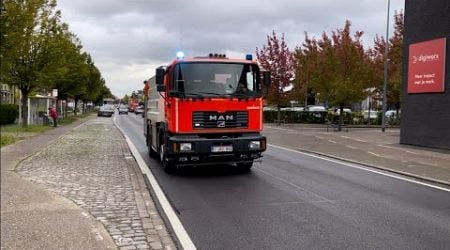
(217, 79)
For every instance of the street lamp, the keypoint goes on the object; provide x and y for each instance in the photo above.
(383, 116)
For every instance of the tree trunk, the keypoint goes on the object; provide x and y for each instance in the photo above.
(278, 115)
(341, 117)
(25, 109)
(76, 105)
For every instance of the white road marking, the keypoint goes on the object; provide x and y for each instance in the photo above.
(384, 146)
(332, 141)
(411, 152)
(359, 140)
(372, 153)
(361, 168)
(348, 146)
(183, 237)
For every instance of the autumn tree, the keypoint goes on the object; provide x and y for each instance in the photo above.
(276, 58)
(335, 66)
(395, 61)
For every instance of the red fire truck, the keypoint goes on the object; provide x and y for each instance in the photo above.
(206, 110)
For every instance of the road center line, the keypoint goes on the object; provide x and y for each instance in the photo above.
(360, 167)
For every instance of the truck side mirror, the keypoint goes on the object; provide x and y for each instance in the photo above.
(266, 78)
(160, 88)
(160, 79)
(160, 76)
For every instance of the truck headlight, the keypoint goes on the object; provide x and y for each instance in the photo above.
(185, 146)
(254, 145)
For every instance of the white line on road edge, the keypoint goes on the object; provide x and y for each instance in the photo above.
(372, 153)
(362, 168)
(178, 228)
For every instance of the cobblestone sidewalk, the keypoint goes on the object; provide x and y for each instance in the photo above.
(93, 167)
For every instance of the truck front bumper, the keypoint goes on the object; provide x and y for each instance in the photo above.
(196, 150)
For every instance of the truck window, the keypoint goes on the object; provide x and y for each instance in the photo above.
(217, 79)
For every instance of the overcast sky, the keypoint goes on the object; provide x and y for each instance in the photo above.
(128, 39)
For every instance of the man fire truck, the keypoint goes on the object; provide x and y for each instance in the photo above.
(206, 110)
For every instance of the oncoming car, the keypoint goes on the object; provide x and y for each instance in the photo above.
(106, 110)
(123, 109)
(139, 110)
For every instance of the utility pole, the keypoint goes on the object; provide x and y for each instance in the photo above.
(383, 115)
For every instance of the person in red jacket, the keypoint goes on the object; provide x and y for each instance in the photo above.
(54, 115)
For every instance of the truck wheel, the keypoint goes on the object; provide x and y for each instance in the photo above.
(168, 166)
(245, 166)
(152, 153)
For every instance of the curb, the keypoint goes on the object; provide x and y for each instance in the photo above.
(180, 232)
(436, 181)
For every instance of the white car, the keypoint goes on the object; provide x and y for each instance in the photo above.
(392, 113)
(316, 108)
(338, 111)
(373, 114)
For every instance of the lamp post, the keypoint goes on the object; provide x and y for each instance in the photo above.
(383, 116)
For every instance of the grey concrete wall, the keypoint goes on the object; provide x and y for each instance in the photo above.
(426, 116)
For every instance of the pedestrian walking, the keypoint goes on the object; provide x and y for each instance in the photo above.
(54, 115)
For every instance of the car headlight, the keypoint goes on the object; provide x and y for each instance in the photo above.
(253, 145)
(185, 146)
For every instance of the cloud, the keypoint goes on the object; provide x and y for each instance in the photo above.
(126, 37)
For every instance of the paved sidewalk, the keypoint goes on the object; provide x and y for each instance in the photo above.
(80, 189)
(368, 146)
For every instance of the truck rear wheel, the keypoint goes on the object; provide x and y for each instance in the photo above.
(152, 153)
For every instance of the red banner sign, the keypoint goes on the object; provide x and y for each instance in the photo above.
(426, 66)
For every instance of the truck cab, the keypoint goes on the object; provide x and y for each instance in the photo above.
(206, 110)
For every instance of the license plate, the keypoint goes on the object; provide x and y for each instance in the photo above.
(218, 149)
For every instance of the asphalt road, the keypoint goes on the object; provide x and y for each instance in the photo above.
(294, 201)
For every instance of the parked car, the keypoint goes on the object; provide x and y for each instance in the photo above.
(373, 114)
(315, 108)
(106, 110)
(123, 109)
(337, 111)
(392, 113)
(295, 109)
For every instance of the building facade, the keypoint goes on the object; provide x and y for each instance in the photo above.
(426, 78)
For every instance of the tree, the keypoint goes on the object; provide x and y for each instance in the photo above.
(335, 66)
(25, 26)
(395, 57)
(276, 58)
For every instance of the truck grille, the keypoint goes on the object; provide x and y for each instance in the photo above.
(202, 120)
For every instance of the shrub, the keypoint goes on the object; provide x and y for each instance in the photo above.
(8, 113)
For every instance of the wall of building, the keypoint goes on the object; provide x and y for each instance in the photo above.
(426, 116)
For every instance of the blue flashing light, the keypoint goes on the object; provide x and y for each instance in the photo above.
(180, 55)
(249, 57)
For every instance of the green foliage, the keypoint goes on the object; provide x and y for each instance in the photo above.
(8, 113)
(39, 52)
(19, 129)
(7, 139)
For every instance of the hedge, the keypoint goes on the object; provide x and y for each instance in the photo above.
(296, 117)
(319, 117)
(8, 113)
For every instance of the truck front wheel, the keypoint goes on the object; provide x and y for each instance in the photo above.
(245, 166)
(168, 166)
